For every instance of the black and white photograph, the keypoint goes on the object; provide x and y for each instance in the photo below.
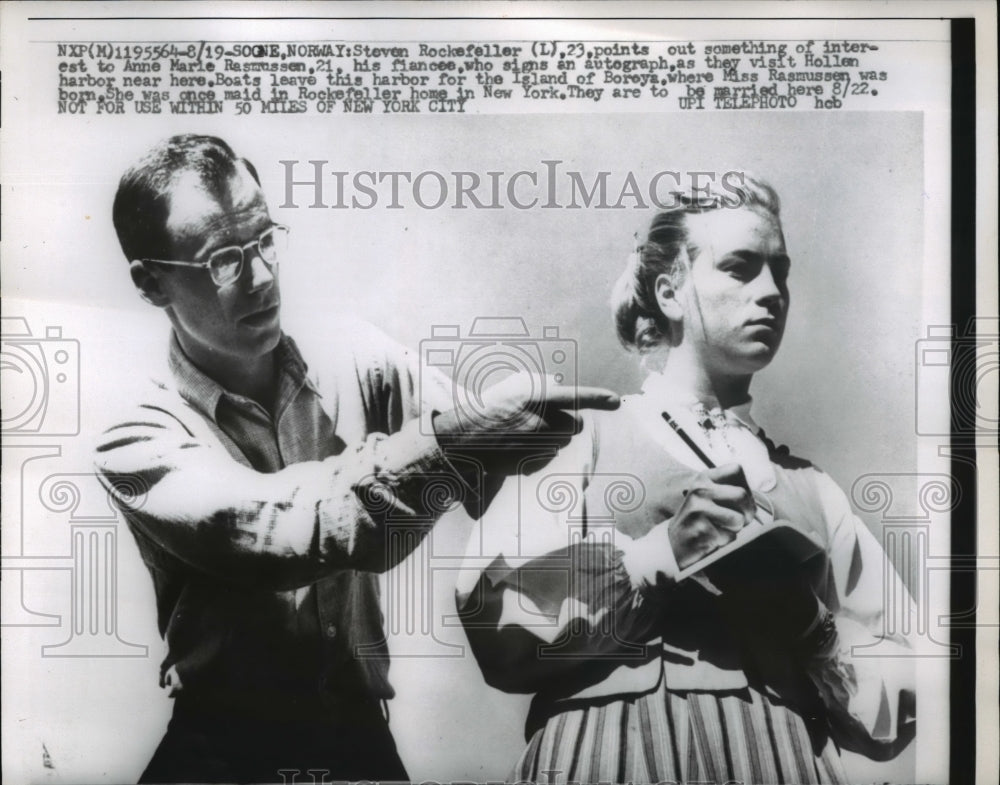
(499, 392)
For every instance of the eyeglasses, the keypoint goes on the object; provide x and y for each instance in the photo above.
(226, 264)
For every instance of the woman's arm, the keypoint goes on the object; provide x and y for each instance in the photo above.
(537, 625)
(865, 671)
(557, 585)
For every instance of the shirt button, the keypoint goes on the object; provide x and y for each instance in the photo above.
(331, 630)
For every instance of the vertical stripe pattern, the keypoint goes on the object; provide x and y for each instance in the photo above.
(678, 737)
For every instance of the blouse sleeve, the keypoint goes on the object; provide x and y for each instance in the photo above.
(866, 678)
(544, 592)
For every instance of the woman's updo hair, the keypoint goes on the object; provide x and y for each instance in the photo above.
(667, 250)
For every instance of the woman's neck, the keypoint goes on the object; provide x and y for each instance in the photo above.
(686, 374)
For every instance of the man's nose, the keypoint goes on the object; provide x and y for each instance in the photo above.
(261, 273)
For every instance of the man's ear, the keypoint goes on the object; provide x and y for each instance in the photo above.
(148, 284)
(666, 298)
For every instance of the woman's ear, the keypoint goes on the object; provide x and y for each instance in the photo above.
(666, 298)
(148, 284)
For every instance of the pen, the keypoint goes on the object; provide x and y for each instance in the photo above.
(688, 441)
(763, 503)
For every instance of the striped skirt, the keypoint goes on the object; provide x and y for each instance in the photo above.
(679, 737)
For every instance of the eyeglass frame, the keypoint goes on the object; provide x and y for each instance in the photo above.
(243, 257)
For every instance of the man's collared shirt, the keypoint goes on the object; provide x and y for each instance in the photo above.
(264, 535)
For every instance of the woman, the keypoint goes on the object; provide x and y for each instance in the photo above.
(644, 666)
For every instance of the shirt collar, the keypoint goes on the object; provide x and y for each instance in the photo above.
(662, 391)
(204, 393)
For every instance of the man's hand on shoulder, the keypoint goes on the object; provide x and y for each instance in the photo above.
(523, 416)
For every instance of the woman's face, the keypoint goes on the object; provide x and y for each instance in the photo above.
(735, 296)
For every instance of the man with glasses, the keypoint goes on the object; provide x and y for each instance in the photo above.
(260, 489)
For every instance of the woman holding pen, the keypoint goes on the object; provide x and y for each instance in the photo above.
(644, 666)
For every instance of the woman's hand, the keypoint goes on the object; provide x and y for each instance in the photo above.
(716, 507)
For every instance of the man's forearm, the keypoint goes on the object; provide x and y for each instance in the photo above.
(282, 529)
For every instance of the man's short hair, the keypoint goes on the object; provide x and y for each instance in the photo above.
(142, 203)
